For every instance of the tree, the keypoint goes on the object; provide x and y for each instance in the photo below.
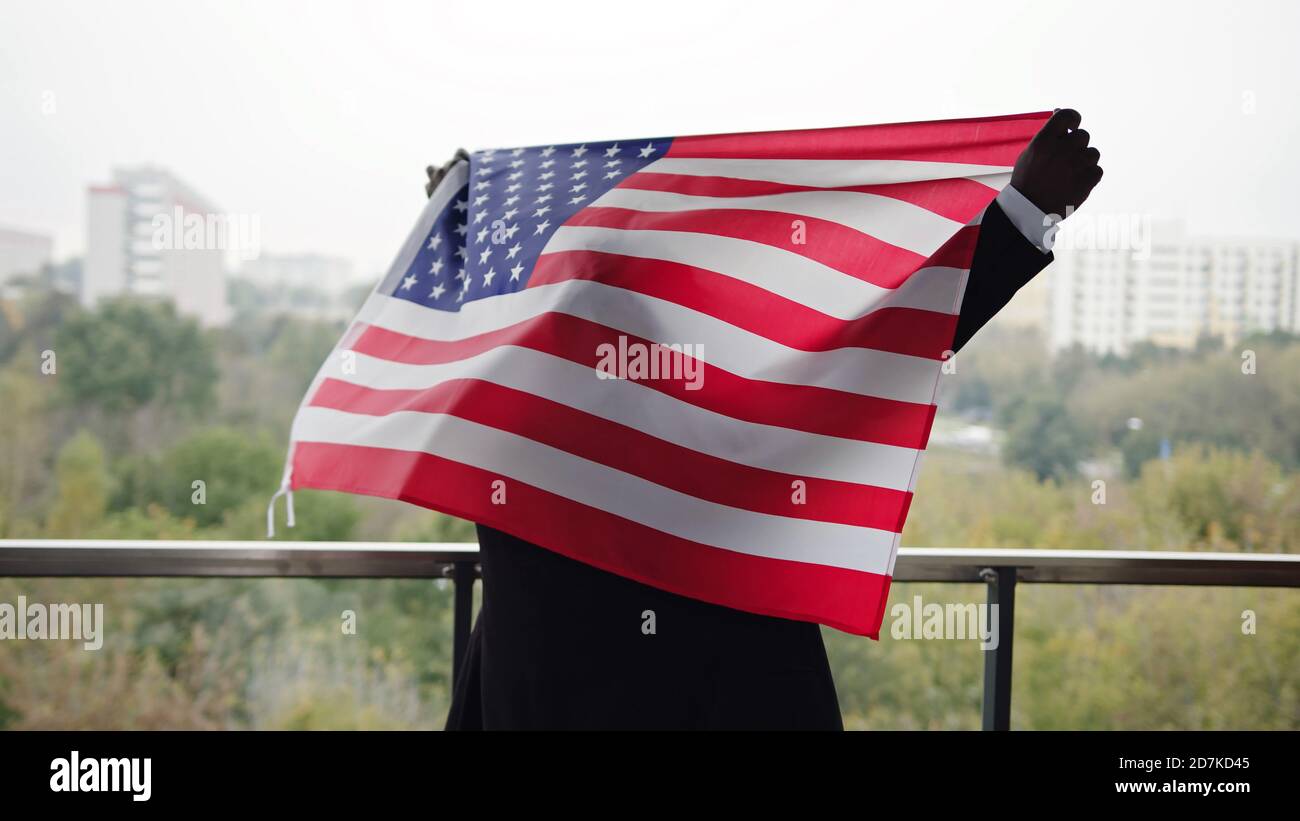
(130, 353)
(83, 488)
(1042, 437)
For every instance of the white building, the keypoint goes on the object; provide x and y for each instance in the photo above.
(1183, 289)
(310, 285)
(23, 253)
(127, 254)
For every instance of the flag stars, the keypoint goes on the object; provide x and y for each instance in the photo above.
(438, 291)
(546, 152)
(580, 150)
(515, 272)
(436, 267)
(483, 257)
(488, 277)
(408, 283)
(612, 151)
(541, 212)
(460, 252)
(514, 249)
(577, 199)
(647, 151)
(542, 226)
(435, 241)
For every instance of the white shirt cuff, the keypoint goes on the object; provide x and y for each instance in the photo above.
(1028, 218)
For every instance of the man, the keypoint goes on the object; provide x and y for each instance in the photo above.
(559, 643)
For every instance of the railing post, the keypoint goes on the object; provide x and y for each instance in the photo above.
(1001, 583)
(462, 579)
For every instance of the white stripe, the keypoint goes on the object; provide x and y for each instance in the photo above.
(613, 491)
(784, 450)
(773, 269)
(822, 173)
(894, 221)
(744, 353)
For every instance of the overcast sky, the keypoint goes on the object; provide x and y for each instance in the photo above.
(320, 117)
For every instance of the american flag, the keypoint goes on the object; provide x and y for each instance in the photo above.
(812, 280)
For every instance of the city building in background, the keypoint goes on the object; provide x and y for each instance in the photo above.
(1184, 289)
(307, 285)
(23, 253)
(124, 256)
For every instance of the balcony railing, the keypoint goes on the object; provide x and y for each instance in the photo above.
(999, 570)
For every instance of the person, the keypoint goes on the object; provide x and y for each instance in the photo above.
(558, 643)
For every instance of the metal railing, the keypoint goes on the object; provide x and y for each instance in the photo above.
(1000, 570)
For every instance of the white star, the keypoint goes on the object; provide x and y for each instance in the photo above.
(543, 198)
(516, 163)
(515, 175)
(611, 175)
(546, 186)
(510, 232)
(612, 150)
(546, 176)
(514, 249)
(480, 216)
(516, 152)
(541, 212)
(546, 164)
(516, 271)
(461, 205)
(482, 235)
(576, 200)
(613, 163)
(510, 214)
(578, 175)
(460, 274)
(438, 291)
(460, 252)
(542, 227)
(487, 278)
(648, 150)
(546, 152)
(479, 186)
(578, 164)
(514, 198)
(435, 241)
(461, 229)
(576, 188)
(408, 282)
(480, 199)
(513, 188)
(436, 268)
(483, 257)
(580, 150)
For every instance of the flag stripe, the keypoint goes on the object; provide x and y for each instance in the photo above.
(845, 599)
(631, 451)
(630, 403)
(959, 199)
(826, 173)
(749, 354)
(512, 457)
(808, 408)
(893, 221)
(988, 140)
(902, 330)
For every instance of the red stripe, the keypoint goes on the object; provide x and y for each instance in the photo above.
(631, 451)
(979, 141)
(848, 600)
(898, 330)
(958, 199)
(830, 243)
(799, 407)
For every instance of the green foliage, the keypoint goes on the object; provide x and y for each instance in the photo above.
(130, 353)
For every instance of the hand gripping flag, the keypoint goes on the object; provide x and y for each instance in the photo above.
(708, 364)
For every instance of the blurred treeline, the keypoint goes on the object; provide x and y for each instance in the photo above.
(142, 403)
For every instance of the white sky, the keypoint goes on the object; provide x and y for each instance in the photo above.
(320, 117)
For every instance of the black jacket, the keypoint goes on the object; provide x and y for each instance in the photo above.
(560, 644)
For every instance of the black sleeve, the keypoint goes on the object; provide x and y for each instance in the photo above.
(1004, 261)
